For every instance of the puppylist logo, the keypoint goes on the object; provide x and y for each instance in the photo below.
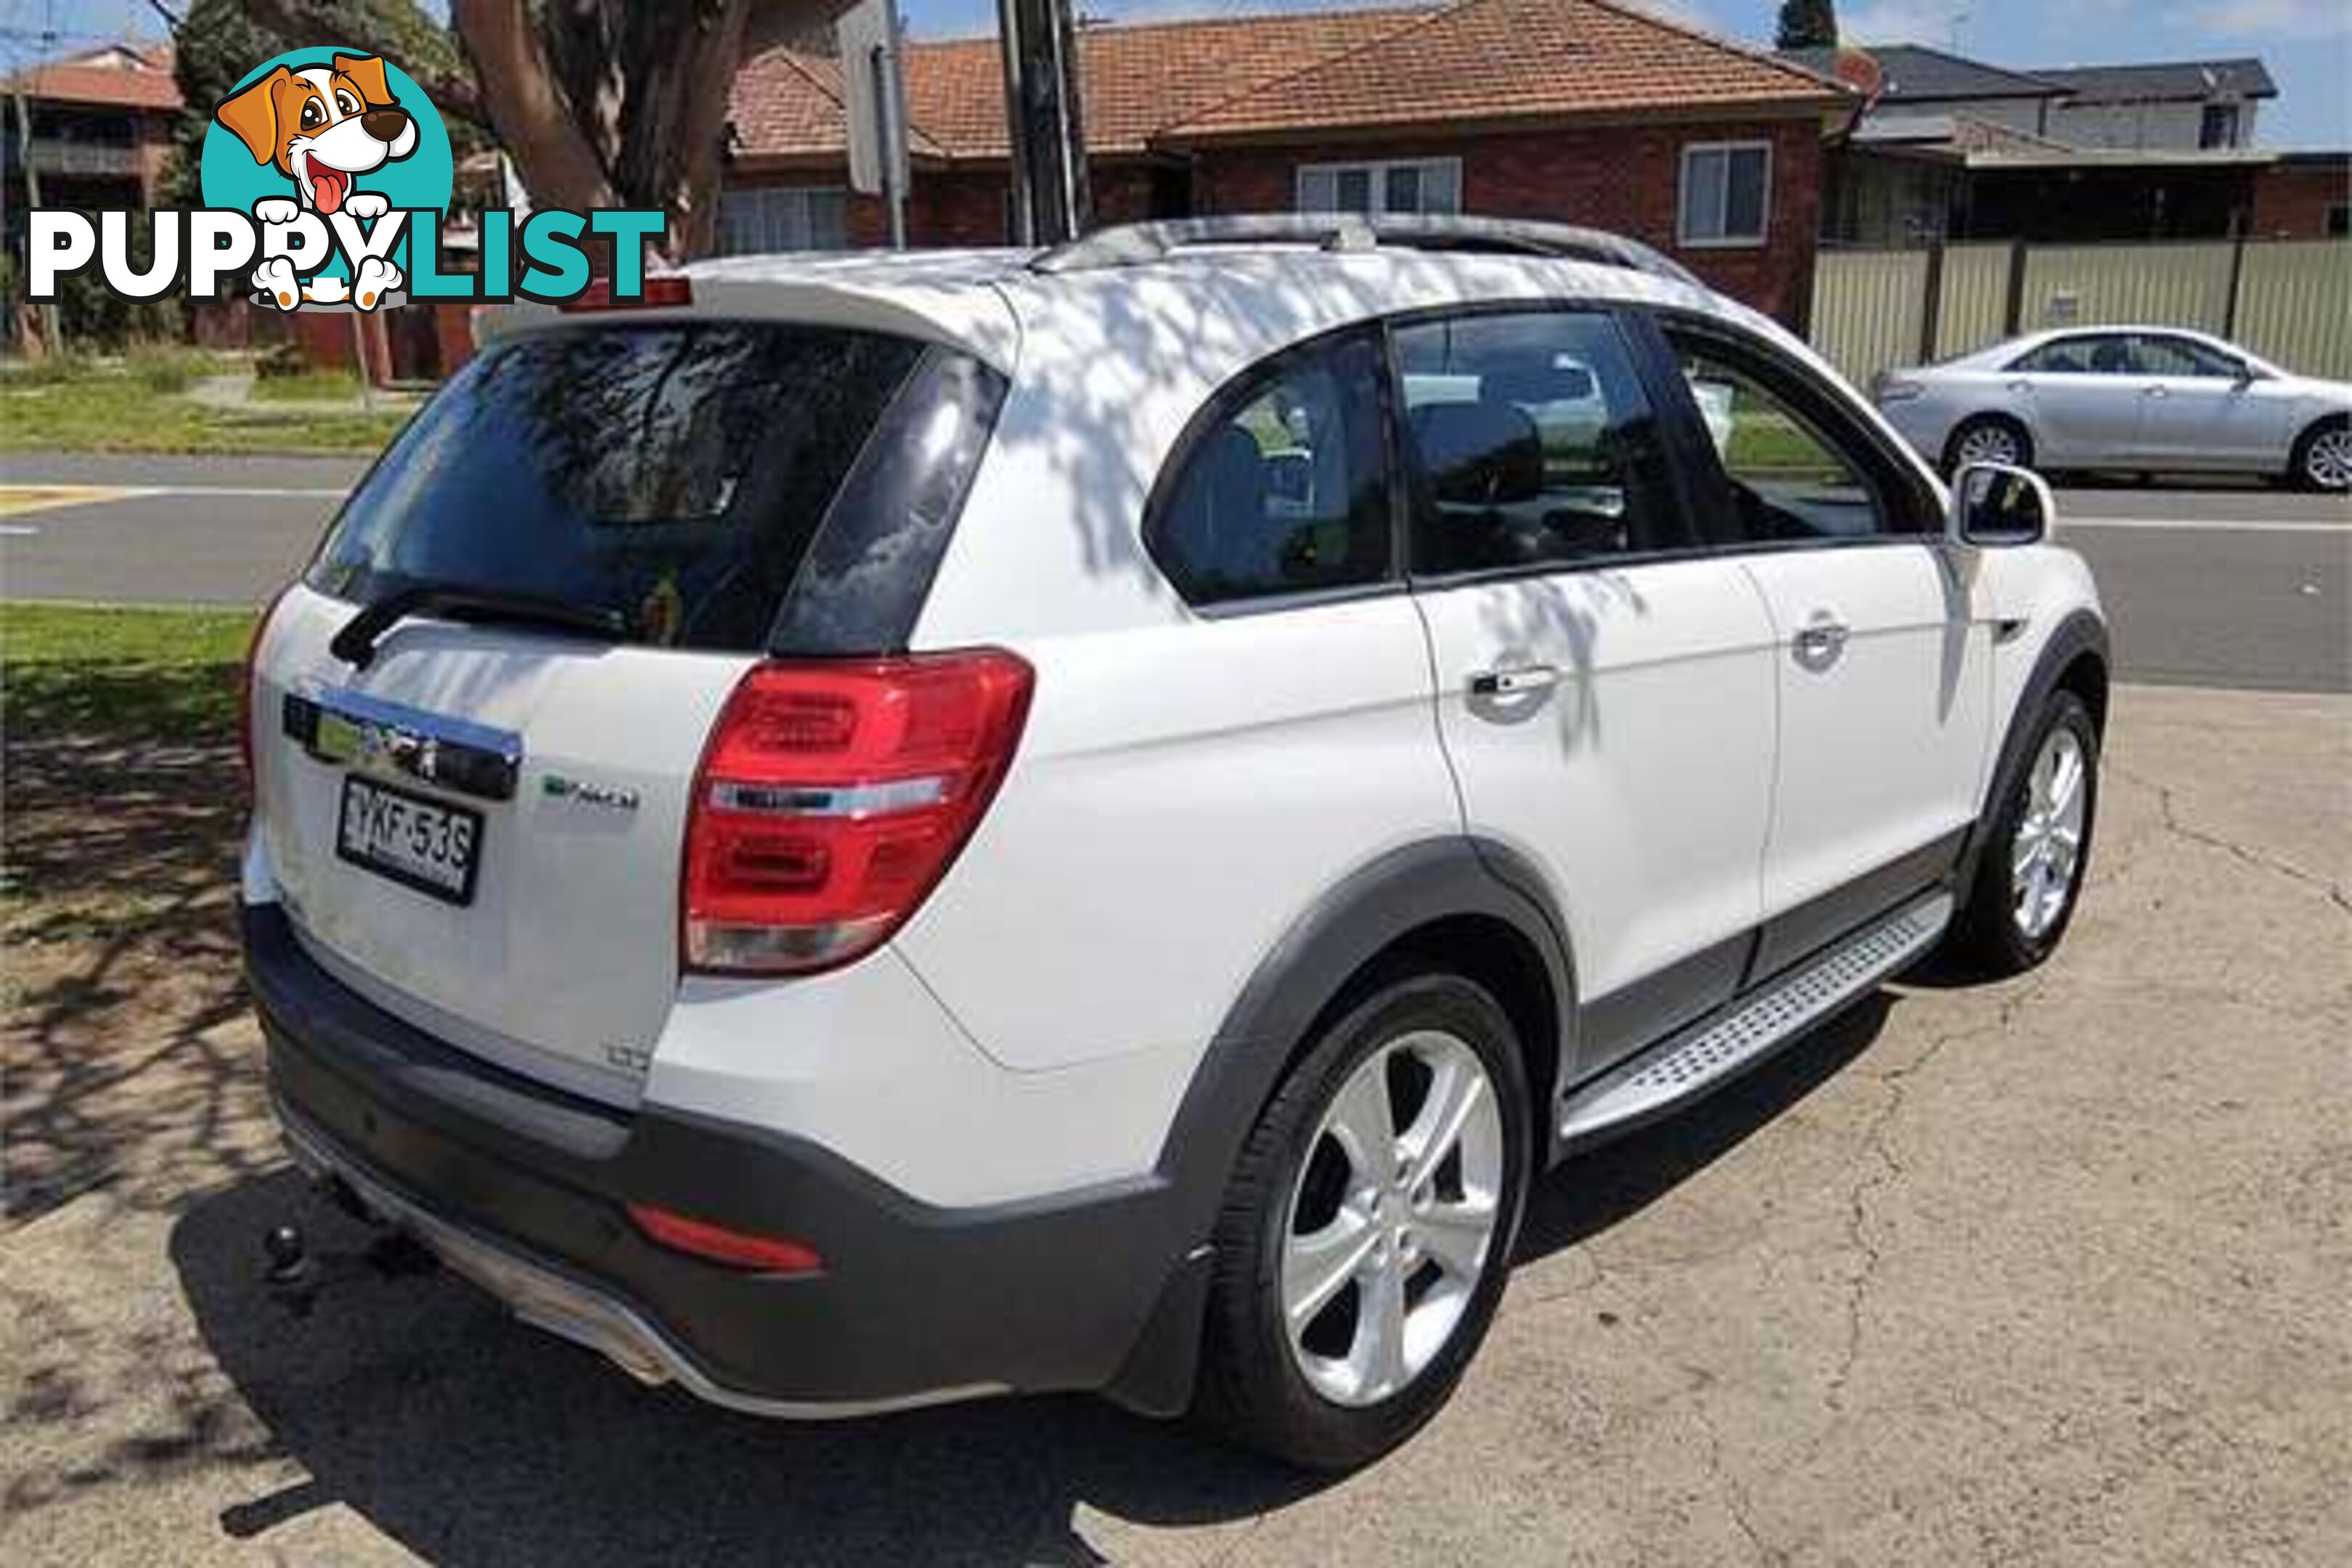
(326, 179)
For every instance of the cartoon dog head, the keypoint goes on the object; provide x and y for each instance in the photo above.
(322, 126)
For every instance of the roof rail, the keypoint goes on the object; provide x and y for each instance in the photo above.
(1133, 244)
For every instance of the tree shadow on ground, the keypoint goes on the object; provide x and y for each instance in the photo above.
(127, 1038)
(471, 1440)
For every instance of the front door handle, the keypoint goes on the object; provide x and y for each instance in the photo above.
(1514, 682)
(1822, 641)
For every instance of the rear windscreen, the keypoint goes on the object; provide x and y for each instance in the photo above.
(676, 474)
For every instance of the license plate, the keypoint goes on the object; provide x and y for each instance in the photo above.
(418, 843)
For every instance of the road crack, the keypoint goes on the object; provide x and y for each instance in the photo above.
(1889, 1169)
(2260, 860)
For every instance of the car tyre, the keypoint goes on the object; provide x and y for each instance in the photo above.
(1279, 1371)
(2323, 457)
(1988, 438)
(2037, 848)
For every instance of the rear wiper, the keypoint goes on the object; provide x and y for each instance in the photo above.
(355, 644)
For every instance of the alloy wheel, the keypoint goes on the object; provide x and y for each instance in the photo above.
(1989, 443)
(1393, 1223)
(2047, 850)
(2327, 459)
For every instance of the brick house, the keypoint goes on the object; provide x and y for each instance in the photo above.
(95, 132)
(1576, 110)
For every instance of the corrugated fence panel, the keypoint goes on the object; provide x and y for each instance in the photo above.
(1976, 298)
(2086, 285)
(2294, 304)
(1866, 309)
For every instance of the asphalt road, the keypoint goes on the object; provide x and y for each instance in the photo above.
(2245, 588)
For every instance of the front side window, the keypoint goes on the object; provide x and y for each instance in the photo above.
(2165, 356)
(1726, 191)
(1282, 487)
(2098, 353)
(2219, 126)
(1427, 185)
(1532, 444)
(1795, 474)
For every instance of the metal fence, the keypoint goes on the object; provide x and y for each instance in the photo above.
(2289, 300)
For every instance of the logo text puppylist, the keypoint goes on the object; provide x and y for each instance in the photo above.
(326, 179)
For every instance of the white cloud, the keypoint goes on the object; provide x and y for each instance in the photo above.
(2267, 18)
(1929, 22)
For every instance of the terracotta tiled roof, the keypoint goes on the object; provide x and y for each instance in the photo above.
(1470, 59)
(787, 103)
(131, 77)
(1486, 60)
(1136, 80)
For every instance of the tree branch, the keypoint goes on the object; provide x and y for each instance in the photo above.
(525, 110)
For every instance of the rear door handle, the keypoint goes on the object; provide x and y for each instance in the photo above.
(2160, 392)
(1514, 682)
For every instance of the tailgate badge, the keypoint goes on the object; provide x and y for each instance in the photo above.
(606, 797)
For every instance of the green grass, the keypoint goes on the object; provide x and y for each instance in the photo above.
(308, 387)
(167, 676)
(119, 412)
(168, 368)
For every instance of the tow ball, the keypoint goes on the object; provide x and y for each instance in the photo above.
(295, 1276)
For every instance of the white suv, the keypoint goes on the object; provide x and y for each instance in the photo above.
(873, 830)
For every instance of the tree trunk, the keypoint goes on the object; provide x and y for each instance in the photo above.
(622, 102)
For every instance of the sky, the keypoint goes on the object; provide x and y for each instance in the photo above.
(2307, 44)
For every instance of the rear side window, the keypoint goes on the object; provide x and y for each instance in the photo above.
(680, 474)
(1532, 444)
(1281, 487)
(2098, 355)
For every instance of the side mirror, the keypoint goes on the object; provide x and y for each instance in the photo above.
(1995, 506)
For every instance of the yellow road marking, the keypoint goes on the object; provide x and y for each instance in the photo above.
(20, 498)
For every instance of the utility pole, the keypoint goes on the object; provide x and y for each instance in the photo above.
(1042, 108)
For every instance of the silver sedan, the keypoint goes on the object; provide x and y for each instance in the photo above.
(2153, 399)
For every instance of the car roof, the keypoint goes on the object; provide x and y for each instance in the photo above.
(1263, 295)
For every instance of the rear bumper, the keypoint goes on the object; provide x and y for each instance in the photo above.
(521, 1188)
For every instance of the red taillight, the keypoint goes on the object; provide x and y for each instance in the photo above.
(659, 294)
(831, 798)
(245, 685)
(736, 1248)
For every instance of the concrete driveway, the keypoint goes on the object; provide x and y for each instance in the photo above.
(2054, 1271)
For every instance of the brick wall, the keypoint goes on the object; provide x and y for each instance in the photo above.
(1618, 177)
(2293, 198)
(964, 207)
(1623, 178)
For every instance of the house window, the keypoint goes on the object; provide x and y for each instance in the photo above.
(1419, 186)
(1726, 191)
(2218, 128)
(765, 218)
(2337, 224)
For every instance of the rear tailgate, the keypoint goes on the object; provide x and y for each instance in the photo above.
(527, 914)
(478, 821)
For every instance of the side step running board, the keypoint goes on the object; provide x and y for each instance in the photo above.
(1716, 1049)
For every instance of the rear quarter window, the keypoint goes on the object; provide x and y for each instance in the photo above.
(680, 474)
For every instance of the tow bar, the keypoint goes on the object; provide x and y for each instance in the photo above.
(295, 1276)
